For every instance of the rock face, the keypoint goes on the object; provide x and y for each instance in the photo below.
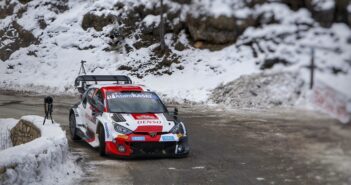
(182, 1)
(97, 22)
(24, 132)
(328, 12)
(7, 9)
(219, 30)
(295, 4)
(24, 1)
(322, 11)
(58, 6)
(16, 37)
(341, 10)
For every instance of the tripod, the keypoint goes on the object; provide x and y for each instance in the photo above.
(48, 106)
(82, 68)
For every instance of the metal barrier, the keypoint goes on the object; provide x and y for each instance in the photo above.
(330, 101)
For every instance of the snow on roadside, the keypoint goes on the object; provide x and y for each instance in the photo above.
(261, 90)
(5, 126)
(45, 160)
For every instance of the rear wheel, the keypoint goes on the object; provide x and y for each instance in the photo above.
(73, 128)
(102, 141)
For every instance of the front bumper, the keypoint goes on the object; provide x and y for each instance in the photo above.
(126, 146)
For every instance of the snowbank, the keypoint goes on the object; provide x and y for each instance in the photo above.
(45, 160)
(5, 127)
(261, 90)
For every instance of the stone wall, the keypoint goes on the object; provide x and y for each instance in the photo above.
(24, 132)
(30, 163)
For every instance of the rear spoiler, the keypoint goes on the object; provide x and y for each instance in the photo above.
(81, 81)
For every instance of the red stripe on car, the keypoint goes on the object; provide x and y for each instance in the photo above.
(144, 116)
(149, 129)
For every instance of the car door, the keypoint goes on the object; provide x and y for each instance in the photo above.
(95, 100)
(88, 109)
(82, 108)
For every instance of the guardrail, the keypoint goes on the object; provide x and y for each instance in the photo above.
(330, 101)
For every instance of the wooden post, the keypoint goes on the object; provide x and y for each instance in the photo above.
(312, 69)
(162, 30)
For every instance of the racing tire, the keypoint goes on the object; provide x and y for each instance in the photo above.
(102, 147)
(180, 156)
(73, 128)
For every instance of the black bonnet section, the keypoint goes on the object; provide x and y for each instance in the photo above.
(118, 117)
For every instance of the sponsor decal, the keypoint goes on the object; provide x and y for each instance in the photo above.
(118, 95)
(138, 138)
(180, 135)
(168, 138)
(147, 119)
(145, 116)
(149, 122)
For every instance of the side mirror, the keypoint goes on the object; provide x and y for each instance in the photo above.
(175, 112)
(98, 106)
(97, 110)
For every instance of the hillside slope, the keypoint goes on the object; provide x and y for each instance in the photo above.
(209, 42)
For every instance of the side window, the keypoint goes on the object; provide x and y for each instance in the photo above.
(90, 96)
(84, 99)
(99, 96)
(87, 97)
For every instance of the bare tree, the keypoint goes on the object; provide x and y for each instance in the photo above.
(162, 30)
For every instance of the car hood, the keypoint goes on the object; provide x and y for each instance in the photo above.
(150, 122)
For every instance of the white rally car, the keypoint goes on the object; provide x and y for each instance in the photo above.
(125, 120)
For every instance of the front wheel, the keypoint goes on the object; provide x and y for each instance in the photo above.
(102, 147)
(73, 128)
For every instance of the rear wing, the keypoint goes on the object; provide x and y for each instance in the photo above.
(84, 81)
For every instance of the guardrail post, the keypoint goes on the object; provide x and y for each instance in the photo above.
(312, 69)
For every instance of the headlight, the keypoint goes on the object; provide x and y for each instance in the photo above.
(121, 129)
(177, 129)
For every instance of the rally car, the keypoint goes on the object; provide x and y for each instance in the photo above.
(125, 120)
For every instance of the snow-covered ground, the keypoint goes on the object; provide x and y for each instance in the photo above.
(261, 90)
(57, 58)
(5, 127)
(45, 160)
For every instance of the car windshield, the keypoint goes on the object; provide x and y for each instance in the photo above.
(134, 102)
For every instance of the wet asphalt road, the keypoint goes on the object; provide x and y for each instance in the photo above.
(284, 146)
